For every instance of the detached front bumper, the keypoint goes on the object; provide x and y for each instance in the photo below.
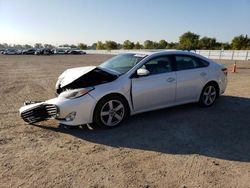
(71, 112)
(33, 112)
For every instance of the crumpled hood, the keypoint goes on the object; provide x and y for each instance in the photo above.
(71, 75)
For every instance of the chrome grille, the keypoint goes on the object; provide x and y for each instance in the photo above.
(40, 113)
(51, 110)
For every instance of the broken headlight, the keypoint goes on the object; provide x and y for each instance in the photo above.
(75, 93)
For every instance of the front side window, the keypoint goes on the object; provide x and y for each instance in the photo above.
(122, 63)
(159, 65)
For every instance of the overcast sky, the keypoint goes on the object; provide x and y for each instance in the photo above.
(74, 21)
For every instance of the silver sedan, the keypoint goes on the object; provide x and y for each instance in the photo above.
(129, 84)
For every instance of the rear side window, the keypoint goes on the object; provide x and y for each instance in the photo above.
(188, 62)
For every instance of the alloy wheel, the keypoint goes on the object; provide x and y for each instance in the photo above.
(209, 95)
(112, 112)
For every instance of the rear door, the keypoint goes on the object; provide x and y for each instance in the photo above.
(158, 88)
(192, 74)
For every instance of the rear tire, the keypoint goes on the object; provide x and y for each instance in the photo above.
(110, 111)
(208, 95)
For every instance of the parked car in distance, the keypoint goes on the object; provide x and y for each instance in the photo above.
(19, 51)
(44, 51)
(10, 51)
(60, 51)
(30, 51)
(1, 51)
(76, 52)
(129, 84)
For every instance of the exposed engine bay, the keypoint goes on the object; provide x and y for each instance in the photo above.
(94, 77)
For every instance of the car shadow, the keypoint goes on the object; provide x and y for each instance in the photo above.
(221, 131)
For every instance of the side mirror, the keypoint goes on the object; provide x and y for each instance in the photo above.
(142, 72)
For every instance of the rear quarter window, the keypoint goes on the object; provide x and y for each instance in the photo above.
(185, 62)
(202, 62)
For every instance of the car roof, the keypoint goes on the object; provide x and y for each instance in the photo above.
(160, 52)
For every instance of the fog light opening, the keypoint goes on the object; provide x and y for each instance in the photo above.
(71, 116)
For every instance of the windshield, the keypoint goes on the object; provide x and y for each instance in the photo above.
(122, 63)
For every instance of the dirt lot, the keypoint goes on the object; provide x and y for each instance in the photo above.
(184, 146)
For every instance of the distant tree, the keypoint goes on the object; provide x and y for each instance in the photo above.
(225, 46)
(50, 46)
(72, 46)
(138, 45)
(241, 42)
(127, 44)
(17, 46)
(93, 46)
(119, 46)
(100, 45)
(188, 41)
(65, 45)
(156, 45)
(222, 46)
(162, 44)
(148, 44)
(172, 45)
(4, 45)
(207, 43)
(27, 46)
(38, 45)
(82, 46)
(110, 45)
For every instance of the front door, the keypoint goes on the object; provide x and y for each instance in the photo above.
(157, 89)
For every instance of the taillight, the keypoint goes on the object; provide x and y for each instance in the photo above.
(224, 70)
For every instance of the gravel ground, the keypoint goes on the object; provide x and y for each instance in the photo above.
(184, 146)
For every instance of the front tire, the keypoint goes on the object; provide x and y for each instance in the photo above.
(110, 111)
(208, 95)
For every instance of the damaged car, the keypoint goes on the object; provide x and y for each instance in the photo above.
(129, 84)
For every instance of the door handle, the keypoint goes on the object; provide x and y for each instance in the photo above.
(203, 74)
(170, 79)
